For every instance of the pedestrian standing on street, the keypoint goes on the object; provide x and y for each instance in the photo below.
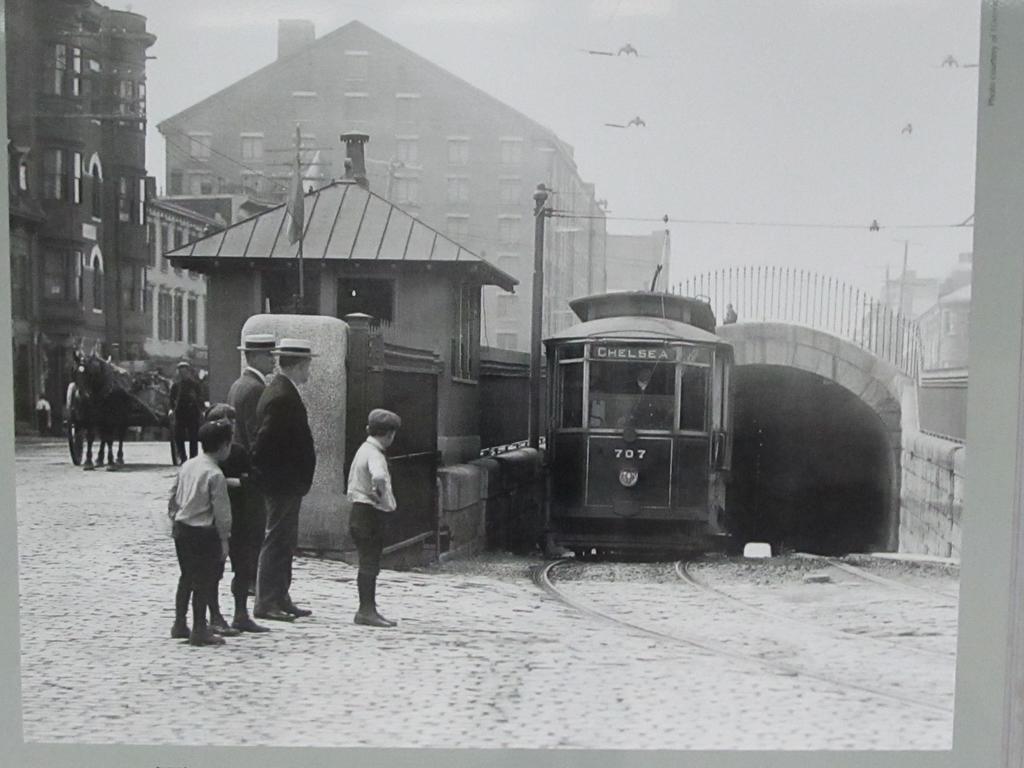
(43, 415)
(187, 409)
(730, 314)
(283, 460)
(373, 501)
(250, 518)
(200, 513)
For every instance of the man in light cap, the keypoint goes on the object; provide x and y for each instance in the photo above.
(249, 521)
(369, 489)
(284, 459)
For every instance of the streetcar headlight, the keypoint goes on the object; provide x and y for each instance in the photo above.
(628, 477)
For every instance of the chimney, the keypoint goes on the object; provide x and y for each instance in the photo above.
(355, 163)
(293, 35)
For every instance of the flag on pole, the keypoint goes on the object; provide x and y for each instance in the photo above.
(296, 198)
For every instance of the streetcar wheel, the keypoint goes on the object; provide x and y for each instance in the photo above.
(76, 442)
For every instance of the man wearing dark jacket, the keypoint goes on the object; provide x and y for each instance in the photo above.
(284, 460)
(248, 515)
(187, 409)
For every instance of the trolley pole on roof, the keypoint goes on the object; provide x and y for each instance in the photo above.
(540, 197)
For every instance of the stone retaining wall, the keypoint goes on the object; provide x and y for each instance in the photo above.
(492, 503)
(931, 495)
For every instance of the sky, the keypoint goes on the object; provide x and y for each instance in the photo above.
(782, 112)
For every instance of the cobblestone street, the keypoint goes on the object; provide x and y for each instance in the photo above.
(481, 656)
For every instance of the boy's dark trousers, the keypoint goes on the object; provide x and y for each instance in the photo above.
(198, 549)
(248, 521)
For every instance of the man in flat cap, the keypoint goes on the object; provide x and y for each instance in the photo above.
(249, 517)
(187, 410)
(284, 459)
(369, 489)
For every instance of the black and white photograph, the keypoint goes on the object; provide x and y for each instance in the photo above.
(495, 375)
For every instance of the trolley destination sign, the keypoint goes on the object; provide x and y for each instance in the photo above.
(632, 352)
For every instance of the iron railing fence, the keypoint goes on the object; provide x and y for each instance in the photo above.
(815, 300)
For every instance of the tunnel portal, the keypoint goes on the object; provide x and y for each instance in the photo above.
(812, 464)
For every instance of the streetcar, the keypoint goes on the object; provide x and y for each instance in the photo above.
(639, 429)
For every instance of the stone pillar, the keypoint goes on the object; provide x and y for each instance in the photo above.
(323, 522)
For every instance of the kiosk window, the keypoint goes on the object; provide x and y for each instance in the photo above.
(571, 386)
(642, 394)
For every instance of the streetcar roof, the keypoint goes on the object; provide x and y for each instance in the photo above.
(635, 327)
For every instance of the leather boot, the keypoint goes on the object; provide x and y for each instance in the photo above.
(201, 635)
(242, 621)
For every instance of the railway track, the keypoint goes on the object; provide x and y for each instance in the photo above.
(867, 575)
(543, 578)
(683, 571)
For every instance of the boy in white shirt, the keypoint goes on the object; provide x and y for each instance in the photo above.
(369, 489)
(200, 511)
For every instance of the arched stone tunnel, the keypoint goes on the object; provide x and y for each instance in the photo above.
(816, 449)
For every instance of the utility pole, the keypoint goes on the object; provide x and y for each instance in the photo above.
(540, 197)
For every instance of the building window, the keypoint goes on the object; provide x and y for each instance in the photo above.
(193, 319)
(458, 189)
(76, 177)
(147, 299)
(140, 100)
(511, 151)
(199, 146)
(23, 173)
(509, 230)
(124, 203)
(140, 201)
(252, 146)
(406, 107)
(468, 318)
(79, 259)
(152, 243)
(507, 341)
(21, 295)
(97, 283)
(58, 69)
(408, 150)
(371, 297)
(58, 276)
(357, 106)
(508, 263)
(407, 190)
(54, 175)
(357, 65)
(458, 151)
(200, 184)
(251, 182)
(506, 306)
(179, 317)
(165, 319)
(511, 191)
(457, 227)
(96, 191)
(176, 182)
(76, 71)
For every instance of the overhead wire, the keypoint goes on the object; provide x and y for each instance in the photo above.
(739, 223)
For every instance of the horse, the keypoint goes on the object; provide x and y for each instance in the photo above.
(95, 403)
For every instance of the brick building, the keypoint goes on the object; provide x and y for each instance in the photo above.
(175, 299)
(76, 112)
(440, 148)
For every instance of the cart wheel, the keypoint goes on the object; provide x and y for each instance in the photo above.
(76, 441)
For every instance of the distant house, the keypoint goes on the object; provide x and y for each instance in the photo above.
(447, 152)
(944, 330)
(361, 253)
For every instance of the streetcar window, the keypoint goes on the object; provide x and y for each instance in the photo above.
(571, 390)
(640, 394)
(570, 352)
(694, 398)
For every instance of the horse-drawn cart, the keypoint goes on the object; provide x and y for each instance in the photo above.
(104, 400)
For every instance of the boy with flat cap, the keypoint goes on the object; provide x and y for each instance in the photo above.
(283, 463)
(369, 489)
